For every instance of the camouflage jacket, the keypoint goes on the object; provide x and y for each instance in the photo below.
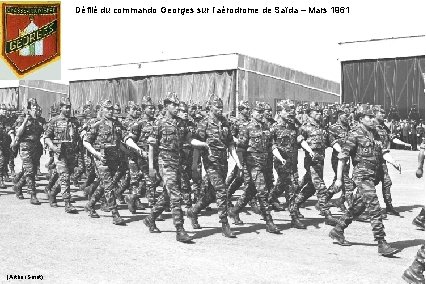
(385, 136)
(236, 124)
(33, 129)
(285, 134)
(140, 130)
(61, 129)
(366, 149)
(215, 132)
(255, 137)
(104, 133)
(337, 133)
(192, 127)
(314, 135)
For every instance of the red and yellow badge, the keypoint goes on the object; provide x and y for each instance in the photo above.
(30, 33)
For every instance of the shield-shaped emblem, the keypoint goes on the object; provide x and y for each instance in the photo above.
(30, 35)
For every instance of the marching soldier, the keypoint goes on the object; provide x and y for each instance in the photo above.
(103, 141)
(214, 135)
(62, 138)
(5, 141)
(256, 138)
(285, 150)
(366, 146)
(28, 134)
(167, 137)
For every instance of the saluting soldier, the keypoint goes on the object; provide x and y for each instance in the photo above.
(368, 153)
(168, 136)
(28, 134)
(103, 141)
(214, 137)
(62, 138)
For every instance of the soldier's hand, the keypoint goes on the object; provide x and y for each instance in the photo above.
(338, 183)
(419, 173)
(56, 149)
(312, 154)
(398, 167)
(283, 162)
(153, 173)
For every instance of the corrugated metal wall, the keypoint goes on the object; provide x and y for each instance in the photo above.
(9, 96)
(195, 87)
(395, 82)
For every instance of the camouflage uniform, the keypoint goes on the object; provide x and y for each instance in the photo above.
(62, 131)
(29, 141)
(5, 152)
(106, 137)
(368, 159)
(256, 138)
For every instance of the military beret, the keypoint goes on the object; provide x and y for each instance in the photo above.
(285, 104)
(32, 102)
(146, 101)
(65, 101)
(171, 98)
(117, 107)
(243, 105)
(259, 106)
(365, 109)
(315, 106)
(215, 101)
(107, 104)
(378, 108)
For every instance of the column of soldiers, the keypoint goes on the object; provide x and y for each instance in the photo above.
(172, 145)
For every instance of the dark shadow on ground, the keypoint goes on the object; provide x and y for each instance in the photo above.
(409, 208)
(407, 243)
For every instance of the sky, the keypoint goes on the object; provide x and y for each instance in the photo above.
(302, 41)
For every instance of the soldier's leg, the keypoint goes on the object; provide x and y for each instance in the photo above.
(65, 166)
(186, 186)
(53, 178)
(249, 191)
(134, 185)
(13, 155)
(30, 162)
(3, 164)
(386, 190)
(283, 181)
(80, 169)
(414, 273)
(234, 182)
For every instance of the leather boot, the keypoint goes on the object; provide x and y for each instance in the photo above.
(52, 199)
(295, 223)
(2, 185)
(138, 204)
(391, 210)
(226, 230)
(182, 235)
(385, 249)
(34, 199)
(150, 223)
(329, 219)
(116, 219)
(194, 218)
(317, 207)
(419, 222)
(232, 213)
(337, 234)
(298, 214)
(271, 227)
(130, 199)
(18, 192)
(89, 209)
(69, 208)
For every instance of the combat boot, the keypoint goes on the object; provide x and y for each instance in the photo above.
(295, 223)
(226, 230)
(337, 234)
(160, 218)
(232, 213)
(318, 207)
(194, 218)
(116, 219)
(391, 210)
(18, 192)
(414, 273)
(419, 222)
(138, 204)
(150, 223)
(91, 211)
(298, 214)
(271, 227)
(329, 219)
(52, 199)
(2, 185)
(413, 277)
(34, 199)
(385, 249)
(130, 199)
(181, 235)
(69, 208)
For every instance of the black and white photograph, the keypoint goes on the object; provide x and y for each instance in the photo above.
(215, 141)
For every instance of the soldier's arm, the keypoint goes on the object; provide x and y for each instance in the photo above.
(399, 142)
(234, 155)
(198, 139)
(130, 138)
(195, 161)
(275, 150)
(88, 140)
(20, 129)
(333, 139)
(301, 139)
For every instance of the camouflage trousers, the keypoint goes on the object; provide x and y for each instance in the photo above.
(90, 172)
(386, 184)
(5, 156)
(187, 177)
(348, 185)
(313, 181)
(255, 171)
(30, 157)
(105, 172)
(171, 173)
(216, 171)
(365, 200)
(80, 164)
(287, 183)
(234, 181)
(65, 164)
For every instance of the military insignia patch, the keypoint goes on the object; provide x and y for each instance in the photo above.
(30, 33)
